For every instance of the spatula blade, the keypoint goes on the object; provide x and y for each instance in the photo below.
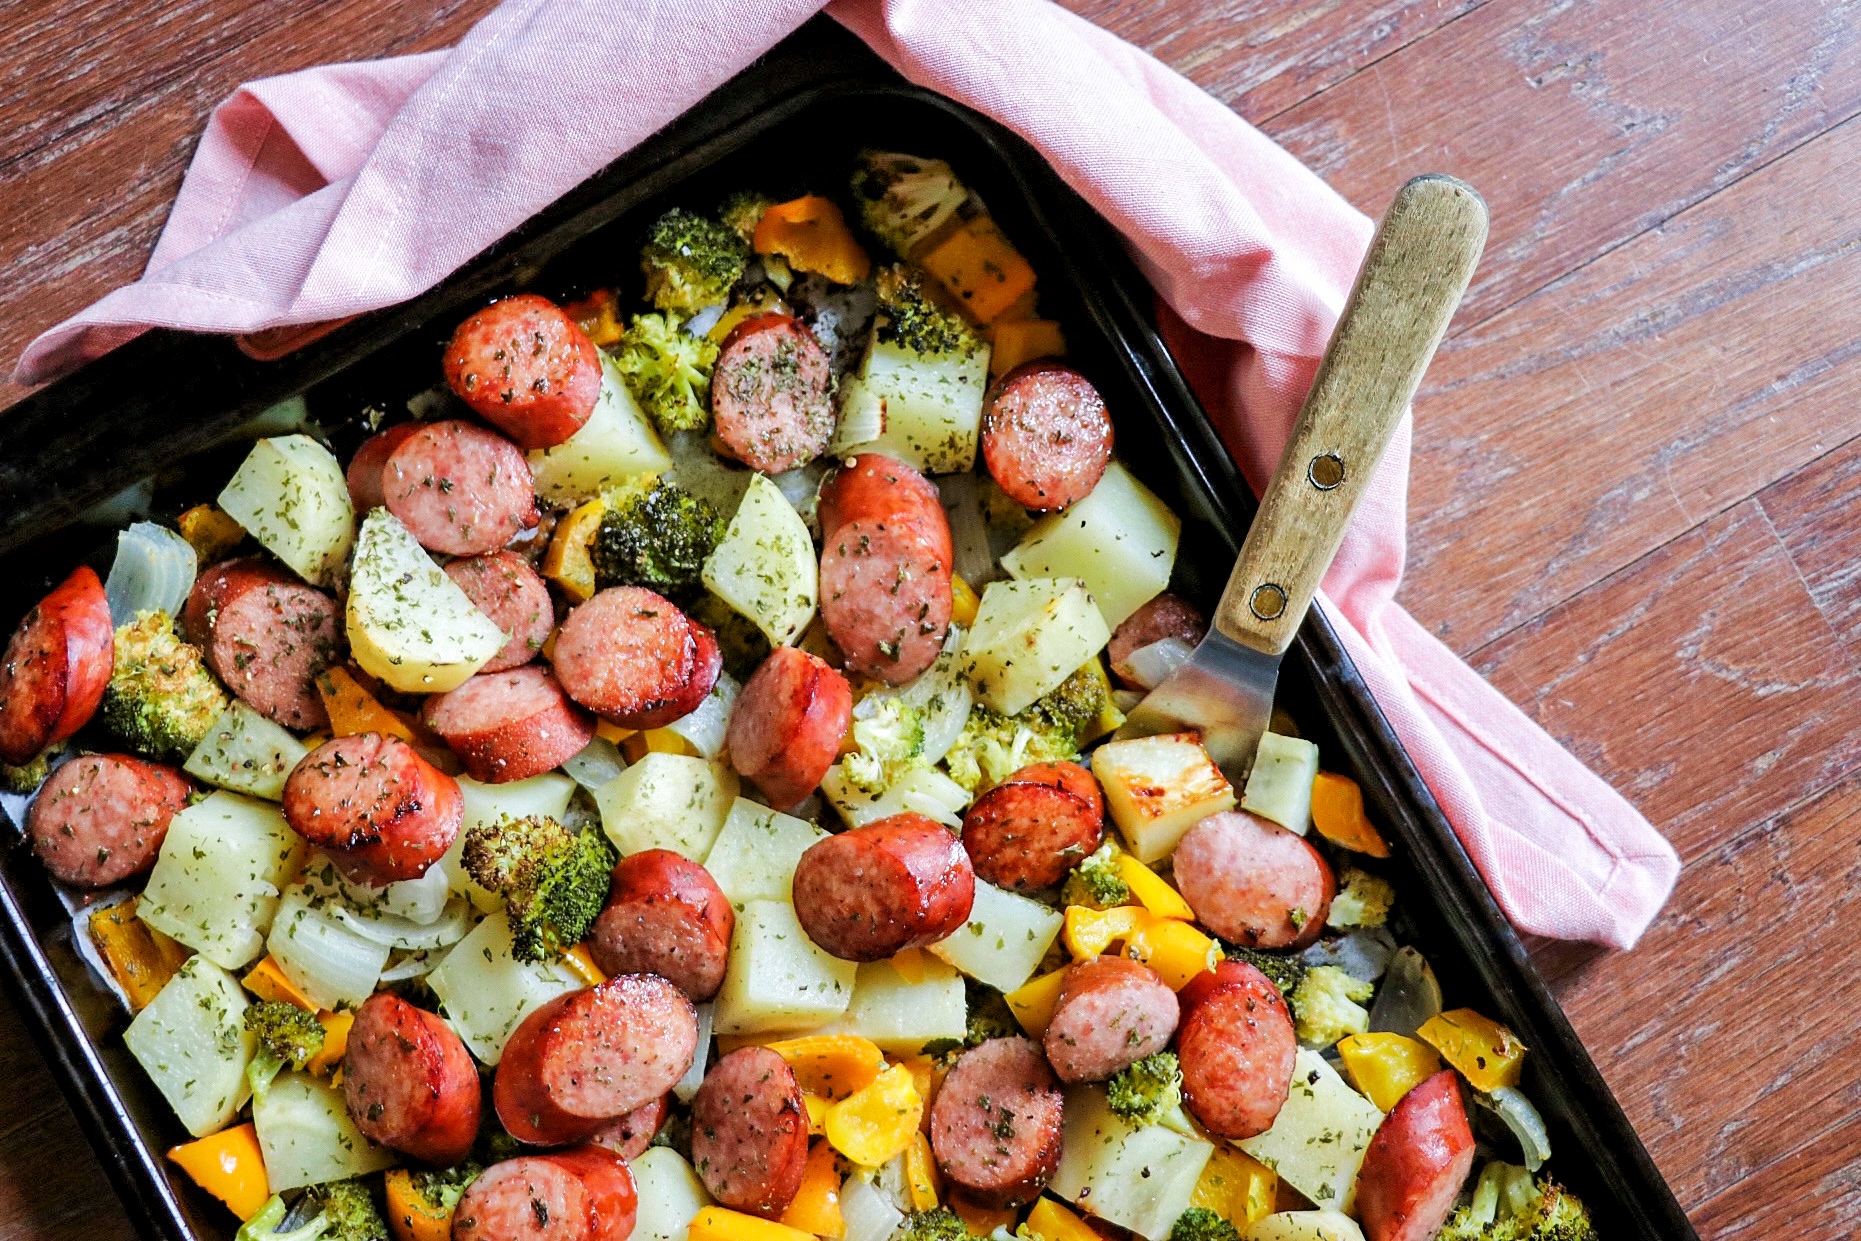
(1223, 691)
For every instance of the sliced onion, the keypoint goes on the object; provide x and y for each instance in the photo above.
(704, 320)
(1409, 995)
(321, 951)
(153, 572)
(1149, 665)
(394, 931)
(1523, 1119)
(969, 533)
(416, 964)
(703, 473)
(705, 727)
(597, 764)
(1364, 954)
(862, 417)
(868, 1215)
(687, 1086)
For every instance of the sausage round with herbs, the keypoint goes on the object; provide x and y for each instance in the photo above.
(1111, 1013)
(57, 665)
(268, 636)
(627, 654)
(872, 488)
(1416, 1163)
(772, 394)
(1031, 830)
(995, 1127)
(1253, 882)
(1046, 436)
(364, 472)
(459, 489)
(409, 1083)
(101, 818)
(787, 724)
(886, 594)
(503, 586)
(382, 810)
(585, 1193)
(873, 891)
(749, 1132)
(526, 368)
(665, 915)
(1236, 1045)
(512, 725)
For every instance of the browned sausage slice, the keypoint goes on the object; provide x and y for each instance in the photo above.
(1112, 1012)
(503, 586)
(525, 367)
(364, 472)
(408, 1081)
(1237, 1048)
(665, 915)
(613, 1198)
(1166, 616)
(995, 1126)
(787, 724)
(869, 893)
(626, 654)
(707, 661)
(267, 635)
(1416, 1163)
(1030, 830)
(874, 488)
(749, 1132)
(1046, 436)
(56, 666)
(531, 1198)
(511, 725)
(628, 1136)
(459, 488)
(101, 818)
(1253, 882)
(885, 595)
(384, 812)
(771, 394)
(589, 1056)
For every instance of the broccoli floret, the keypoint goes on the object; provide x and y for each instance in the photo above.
(288, 1036)
(1097, 881)
(902, 199)
(743, 211)
(348, 1211)
(668, 371)
(1328, 1004)
(553, 881)
(890, 735)
(658, 540)
(989, 1017)
(691, 262)
(1146, 1092)
(1078, 702)
(993, 746)
(1202, 1224)
(936, 1224)
(161, 700)
(441, 1188)
(28, 776)
(909, 319)
(1283, 970)
(1508, 1206)
(1363, 899)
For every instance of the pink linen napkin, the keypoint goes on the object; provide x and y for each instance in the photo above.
(346, 188)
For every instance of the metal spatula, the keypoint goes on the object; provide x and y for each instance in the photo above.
(1418, 266)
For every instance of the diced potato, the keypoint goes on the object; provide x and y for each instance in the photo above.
(667, 801)
(1157, 788)
(247, 753)
(931, 404)
(486, 991)
(777, 978)
(1120, 541)
(307, 1137)
(216, 882)
(1305, 1226)
(900, 1015)
(409, 624)
(1029, 636)
(765, 567)
(1004, 939)
(917, 790)
(1280, 785)
(291, 496)
(615, 444)
(756, 852)
(1317, 1142)
(192, 1042)
(670, 1194)
(1137, 1178)
(321, 955)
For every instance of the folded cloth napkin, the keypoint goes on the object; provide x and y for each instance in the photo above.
(350, 187)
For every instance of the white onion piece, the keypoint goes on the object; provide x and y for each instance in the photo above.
(153, 572)
(687, 1086)
(862, 418)
(597, 764)
(969, 533)
(397, 932)
(1149, 665)
(1409, 995)
(330, 960)
(941, 692)
(865, 1211)
(703, 473)
(1524, 1121)
(706, 727)
(704, 320)
(412, 965)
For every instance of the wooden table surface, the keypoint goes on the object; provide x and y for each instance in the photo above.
(1636, 469)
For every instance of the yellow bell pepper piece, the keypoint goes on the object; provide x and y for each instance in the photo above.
(410, 1216)
(813, 236)
(336, 1028)
(922, 1181)
(211, 533)
(909, 963)
(1088, 932)
(871, 1125)
(665, 741)
(609, 731)
(268, 982)
(353, 709)
(1337, 813)
(1151, 891)
(769, 303)
(981, 268)
(964, 601)
(815, 1208)
(567, 563)
(721, 1224)
(1487, 1054)
(1023, 340)
(1175, 950)
(927, 1075)
(596, 315)
(228, 1165)
(1053, 1222)
(834, 1066)
(1235, 1186)
(577, 961)
(817, 1113)
(980, 1220)
(1032, 1002)
(141, 959)
(1386, 1066)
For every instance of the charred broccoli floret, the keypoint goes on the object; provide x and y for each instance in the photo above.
(161, 700)
(553, 881)
(1081, 704)
(668, 370)
(910, 320)
(1202, 1224)
(1509, 1206)
(691, 262)
(1146, 1092)
(903, 199)
(1363, 899)
(28, 776)
(1097, 880)
(658, 540)
(1327, 1005)
(993, 746)
(288, 1036)
(936, 1224)
(1284, 970)
(743, 210)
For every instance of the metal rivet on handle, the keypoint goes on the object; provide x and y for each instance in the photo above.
(1325, 471)
(1267, 601)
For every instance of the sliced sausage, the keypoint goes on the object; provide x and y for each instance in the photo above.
(1253, 882)
(101, 818)
(1204, 984)
(1237, 1047)
(586, 1193)
(995, 1127)
(707, 661)
(267, 635)
(885, 595)
(409, 1083)
(584, 1058)
(503, 586)
(56, 666)
(872, 487)
(1112, 1012)
(613, 1198)
(749, 1132)
(1416, 1163)
(511, 725)
(364, 472)
(665, 915)
(866, 894)
(526, 368)
(772, 394)
(787, 724)
(382, 810)
(1166, 616)
(628, 1136)
(626, 654)
(1046, 435)
(459, 488)
(1030, 830)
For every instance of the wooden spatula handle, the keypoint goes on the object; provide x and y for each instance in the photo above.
(1418, 266)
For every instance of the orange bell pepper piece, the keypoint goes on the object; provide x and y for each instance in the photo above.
(210, 532)
(353, 709)
(833, 1066)
(141, 959)
(1236, 1186)
(1487, 1054)
(596, 315)
(981, 269)
(336, 1028)
(815, 1208)
(1023, 340)
(410, 1216)
(723, 1224)
(229, 1166)
(813, 236)
(1053, 1222)
(922, 1181)
(1337, 813)
(1387, 1066)
(267, 981)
